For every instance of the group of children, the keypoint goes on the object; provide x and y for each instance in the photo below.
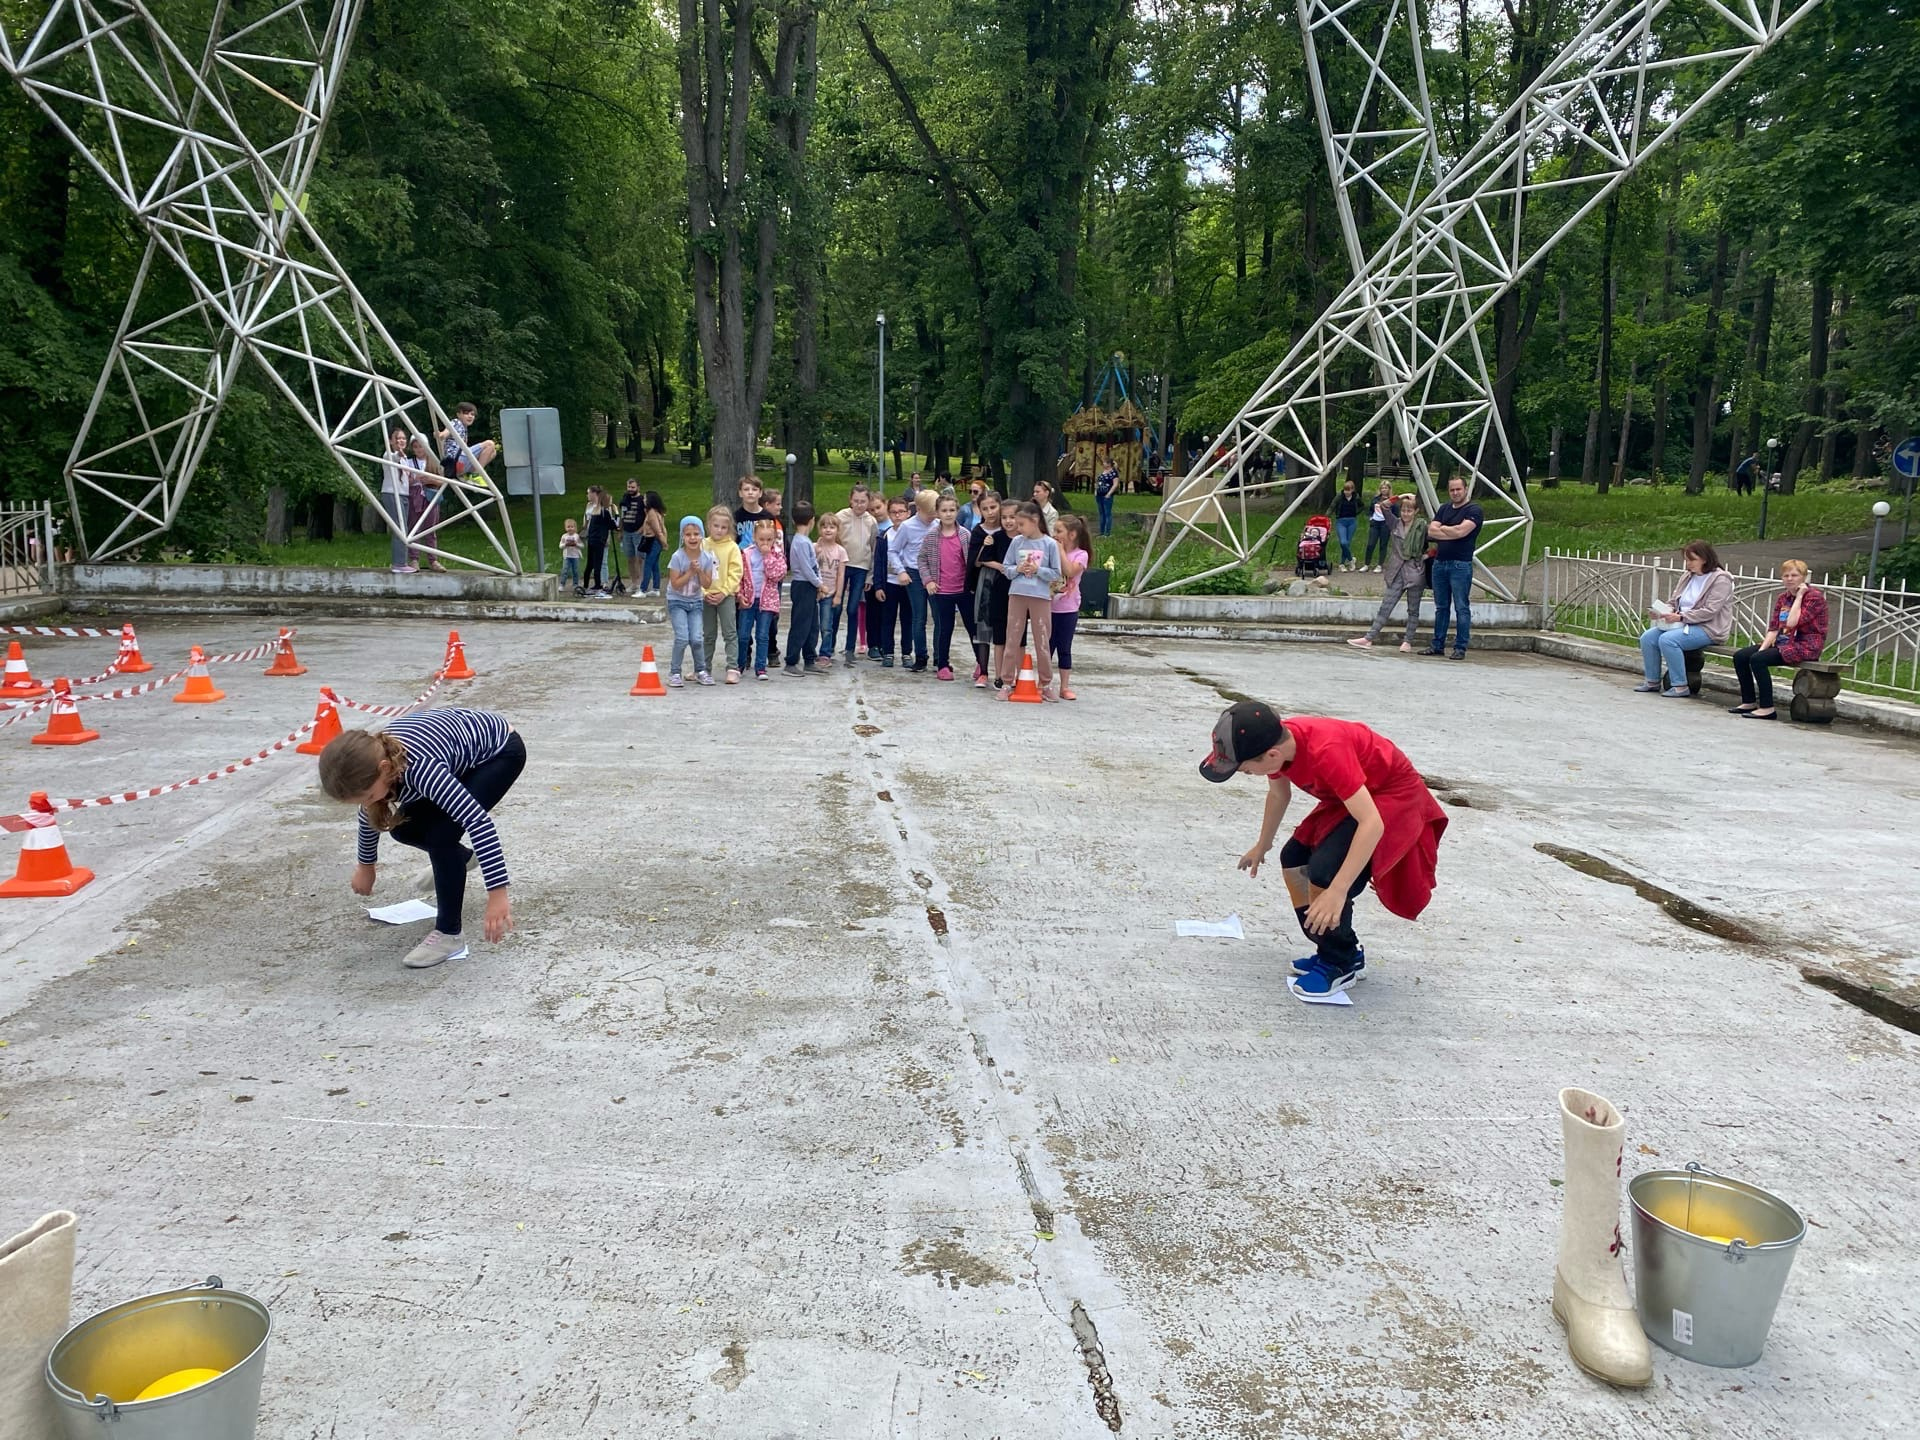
(886, 567)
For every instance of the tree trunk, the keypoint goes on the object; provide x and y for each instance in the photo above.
(1830, 433)
(1757, 368)
(1559, 429)
(660, 389)
(1603, 466)
(1705, 397)
(276, 532)
(1658, 460)
(1816, 400)
(346, 517)
(1862, 451)
(612, 451)
(635, 425)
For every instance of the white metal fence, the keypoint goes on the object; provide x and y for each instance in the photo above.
(1874, 632)
(26, 548)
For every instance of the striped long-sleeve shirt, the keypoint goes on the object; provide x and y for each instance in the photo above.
(443, 745)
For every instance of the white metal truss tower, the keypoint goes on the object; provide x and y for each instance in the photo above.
(212, 157)
(1401, 346)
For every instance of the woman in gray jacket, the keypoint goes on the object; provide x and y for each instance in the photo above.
(1699, 614)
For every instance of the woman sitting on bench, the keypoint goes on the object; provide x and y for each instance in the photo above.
(1798, 634)
(1700, 614)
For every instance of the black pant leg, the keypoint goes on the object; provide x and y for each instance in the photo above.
(429, 828)
(1763, 677)
(1339, 945)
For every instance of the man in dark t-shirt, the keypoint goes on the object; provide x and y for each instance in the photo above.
(1455, 531)
(633, 512)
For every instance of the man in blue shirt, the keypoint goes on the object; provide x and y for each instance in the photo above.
(1455, 530)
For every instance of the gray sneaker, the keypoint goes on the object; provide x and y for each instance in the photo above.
(434, 950)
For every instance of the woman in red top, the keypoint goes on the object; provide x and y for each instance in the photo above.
(1798, 634)
(1376, 821)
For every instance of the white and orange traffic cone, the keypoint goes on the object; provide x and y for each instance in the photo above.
(18, 682)
(199, 687)
(1026, 690)
(285, 662)
(44, 869)
(456, 667)
(648, 682)
(326, 725)
(63, 725)
(130, 661)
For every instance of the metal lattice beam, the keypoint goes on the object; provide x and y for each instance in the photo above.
(212, 159)
(1400, 345)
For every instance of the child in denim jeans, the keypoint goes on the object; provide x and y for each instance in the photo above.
(570, 555)
(765, 567)
(690, 571)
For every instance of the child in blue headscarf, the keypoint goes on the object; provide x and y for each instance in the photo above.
(689, 573)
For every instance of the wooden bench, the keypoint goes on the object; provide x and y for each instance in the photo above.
(1816, 683)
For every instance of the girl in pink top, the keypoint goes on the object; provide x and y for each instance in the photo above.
(831, 556)
(1070, 534)
(943, 570)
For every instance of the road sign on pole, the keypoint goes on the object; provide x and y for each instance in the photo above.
(1906, 457)
(530, 448)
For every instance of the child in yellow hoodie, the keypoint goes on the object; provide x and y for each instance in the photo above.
(721, 618)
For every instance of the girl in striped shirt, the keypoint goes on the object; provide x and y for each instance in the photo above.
(427, 778)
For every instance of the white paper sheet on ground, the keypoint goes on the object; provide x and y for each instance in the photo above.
(1339, 997)
(1227, 929)
(405, 913)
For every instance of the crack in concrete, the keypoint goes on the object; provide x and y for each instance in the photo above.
(1106, 1403)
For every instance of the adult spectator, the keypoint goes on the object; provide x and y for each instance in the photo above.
(970, 512)
(1743, 474)
(1346, 519)
(857, 529)
(1406, 571)
(1699, 614)
(1798, 634)
(1454, 532)
(1106, 485)
(396, 481)
(1043, 497)
(633, 519)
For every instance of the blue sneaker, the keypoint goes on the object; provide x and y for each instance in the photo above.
(886, 662)
(1320, 984)
(1312, 962)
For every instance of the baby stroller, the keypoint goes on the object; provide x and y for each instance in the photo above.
(1310, 557)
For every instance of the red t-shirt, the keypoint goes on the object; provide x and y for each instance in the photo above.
(1332, 761)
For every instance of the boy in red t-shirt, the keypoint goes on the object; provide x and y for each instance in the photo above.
(1376, 821)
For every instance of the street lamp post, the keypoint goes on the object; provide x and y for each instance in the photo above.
(1766, 482)
(1881, 509)
(792, 460)
(881, 427)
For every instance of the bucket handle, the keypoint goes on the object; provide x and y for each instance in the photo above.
(104, 1409)
(1737, 1249)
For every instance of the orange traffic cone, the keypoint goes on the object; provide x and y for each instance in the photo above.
(18, 683)
(285, 662)
(44, 867)
(326, 725)
(1027, 688)
(199, 687)
(649, 681)
(130, 661)
(456, 667)
(63, 725)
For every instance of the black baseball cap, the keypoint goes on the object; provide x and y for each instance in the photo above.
(1245, 730)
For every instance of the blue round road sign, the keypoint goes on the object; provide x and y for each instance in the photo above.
(1906, 457)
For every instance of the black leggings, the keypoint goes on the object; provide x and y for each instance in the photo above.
(1322, 862)
(596, 560)
(1064, 624)
(429, 828)
(1750, 663)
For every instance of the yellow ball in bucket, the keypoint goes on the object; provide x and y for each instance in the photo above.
(176, 1382)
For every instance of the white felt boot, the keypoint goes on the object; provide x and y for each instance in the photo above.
(1590, 1294)
(36, 1290)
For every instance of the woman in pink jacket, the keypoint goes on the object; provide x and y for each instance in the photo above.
(762, 568)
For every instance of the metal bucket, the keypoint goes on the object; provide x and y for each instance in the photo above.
(1710, 1258)
(98, 1366)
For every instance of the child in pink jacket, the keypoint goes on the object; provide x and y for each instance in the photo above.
(762, 568)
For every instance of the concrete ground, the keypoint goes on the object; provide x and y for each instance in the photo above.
(845, 1079)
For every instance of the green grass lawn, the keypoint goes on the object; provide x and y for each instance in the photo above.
(1569, 517)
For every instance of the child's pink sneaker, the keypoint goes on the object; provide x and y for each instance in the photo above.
(945, 673)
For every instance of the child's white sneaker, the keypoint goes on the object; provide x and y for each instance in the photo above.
(674, 682)
(705, 678)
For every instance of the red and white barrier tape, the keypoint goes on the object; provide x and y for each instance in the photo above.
(24, 708)
(34, 819)
(392, 710)
(65, 632)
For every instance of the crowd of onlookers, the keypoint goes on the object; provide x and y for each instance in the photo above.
(897, 579)
(414, 472)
